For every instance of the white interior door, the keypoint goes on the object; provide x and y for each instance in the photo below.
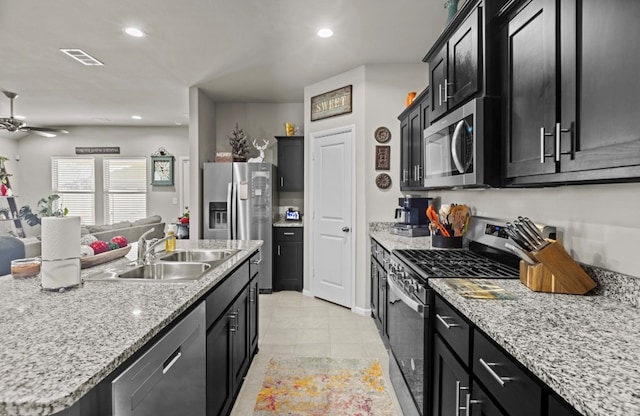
(333, 276)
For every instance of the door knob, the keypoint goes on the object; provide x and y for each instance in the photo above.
(346, 229)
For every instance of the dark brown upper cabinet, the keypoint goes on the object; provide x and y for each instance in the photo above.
(569, 91)
(455, 65)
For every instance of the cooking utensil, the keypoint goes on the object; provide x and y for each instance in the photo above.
(433, 217)
(459, 217)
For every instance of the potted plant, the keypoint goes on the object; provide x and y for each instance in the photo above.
(45, 209)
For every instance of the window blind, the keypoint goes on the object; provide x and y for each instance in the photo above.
(125, 189)
(73, 178)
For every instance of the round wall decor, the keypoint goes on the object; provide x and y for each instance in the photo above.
(383, 181)
(382, 135)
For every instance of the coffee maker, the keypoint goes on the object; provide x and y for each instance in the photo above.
(412, 216)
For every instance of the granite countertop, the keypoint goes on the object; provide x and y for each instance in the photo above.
(288, 223)
(57, 346)
(586, 348)
(396, 242)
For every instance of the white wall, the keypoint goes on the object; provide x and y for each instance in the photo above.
(379, 96)
(202, 148)
(356, 78)
(387, 87)
(258, 121)
(599, 224)
(33, 171)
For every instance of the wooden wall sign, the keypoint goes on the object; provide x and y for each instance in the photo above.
(383, 157)
(97, 150)
(332, 103)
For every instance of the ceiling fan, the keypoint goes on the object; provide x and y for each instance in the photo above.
(13, 124)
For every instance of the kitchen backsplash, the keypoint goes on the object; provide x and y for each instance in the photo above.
(621, 287)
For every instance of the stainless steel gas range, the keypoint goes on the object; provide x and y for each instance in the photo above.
(410, 302)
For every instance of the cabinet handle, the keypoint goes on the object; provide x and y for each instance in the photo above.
(542, 136)
(440, 94)
(559, 131)
(404, 175)
(489, 368)
(420, 172)
(252, 293)
(445, 323)
(281, 182)
(415, 172)
(288, 233)
(446, 94)
(278, 249)
(233, 322)
(469, 403)
(458, 389)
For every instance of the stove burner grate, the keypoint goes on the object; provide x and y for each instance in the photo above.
(456, 263)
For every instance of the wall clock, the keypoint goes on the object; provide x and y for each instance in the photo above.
(162, 170)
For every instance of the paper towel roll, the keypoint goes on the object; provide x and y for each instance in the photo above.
(58, 274)
(60, 238)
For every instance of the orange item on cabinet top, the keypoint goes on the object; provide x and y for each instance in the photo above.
(410, 97)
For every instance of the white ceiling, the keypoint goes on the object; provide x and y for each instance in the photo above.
(235, 50)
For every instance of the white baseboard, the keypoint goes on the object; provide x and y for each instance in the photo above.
(361, 311)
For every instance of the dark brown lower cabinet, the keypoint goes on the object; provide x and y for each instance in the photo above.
(287, 258)
(451, 380)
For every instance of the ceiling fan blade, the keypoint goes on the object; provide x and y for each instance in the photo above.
(44, 131)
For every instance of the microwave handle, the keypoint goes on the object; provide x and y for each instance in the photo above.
(454, 146)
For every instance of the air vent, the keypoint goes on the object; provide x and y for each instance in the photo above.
(82, 57)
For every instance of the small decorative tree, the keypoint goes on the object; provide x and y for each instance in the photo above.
(239, 145)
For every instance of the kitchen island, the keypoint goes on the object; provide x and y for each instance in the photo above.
(56, 347)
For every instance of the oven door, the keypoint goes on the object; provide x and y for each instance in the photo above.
(450, 149)
(406, 327)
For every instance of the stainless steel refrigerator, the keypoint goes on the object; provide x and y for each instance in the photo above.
(241, 203)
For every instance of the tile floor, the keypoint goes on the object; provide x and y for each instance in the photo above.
(295, 325)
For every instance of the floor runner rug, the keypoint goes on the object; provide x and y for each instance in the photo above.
(318, 386)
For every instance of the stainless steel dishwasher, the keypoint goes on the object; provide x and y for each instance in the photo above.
(170, 378)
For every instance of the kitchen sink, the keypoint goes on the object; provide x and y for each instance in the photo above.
(213, 257)
(155, 272)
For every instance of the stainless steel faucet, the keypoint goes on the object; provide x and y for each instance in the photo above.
(146, 247)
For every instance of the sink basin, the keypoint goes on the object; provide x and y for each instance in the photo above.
(156, 272)
(213, 257)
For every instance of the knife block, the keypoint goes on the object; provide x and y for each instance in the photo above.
(556, 273)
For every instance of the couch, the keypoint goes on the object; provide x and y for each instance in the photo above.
(129, 230)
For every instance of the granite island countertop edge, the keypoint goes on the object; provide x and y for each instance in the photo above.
(75, 344)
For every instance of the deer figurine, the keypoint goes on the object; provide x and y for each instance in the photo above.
(261, 149)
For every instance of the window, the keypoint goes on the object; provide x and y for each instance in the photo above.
(125, 189)
(73, 178)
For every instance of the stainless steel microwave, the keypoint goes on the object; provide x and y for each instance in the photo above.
(462, 149)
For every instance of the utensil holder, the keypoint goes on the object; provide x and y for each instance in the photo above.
(440, 241)
(559, 272)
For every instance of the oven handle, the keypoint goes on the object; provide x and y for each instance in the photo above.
(415, 306)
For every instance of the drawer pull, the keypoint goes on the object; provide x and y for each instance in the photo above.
(289, 233)
(489, 368)
(445, 323)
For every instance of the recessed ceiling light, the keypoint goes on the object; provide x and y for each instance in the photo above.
(135, 32)
(82, 57)
(325, 33)
(136, 117)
